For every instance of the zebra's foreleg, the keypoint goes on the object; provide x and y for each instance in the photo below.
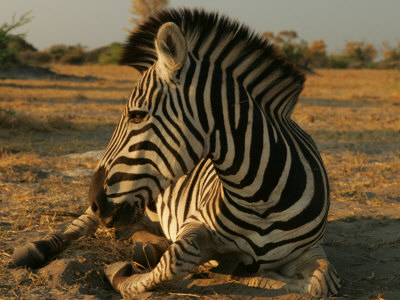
(178, 261)
(35, 254)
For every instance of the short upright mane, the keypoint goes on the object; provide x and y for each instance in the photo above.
(209, 30)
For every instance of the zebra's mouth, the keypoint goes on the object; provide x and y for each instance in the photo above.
(122, 215)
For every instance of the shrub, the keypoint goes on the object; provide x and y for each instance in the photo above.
(74, 56)
(389, 64)
(112, 55)
(92, 56)
(18, 43)
(7, 55)
(56, 52)
(391, 53)
(360, 51)
(34, 57)
(340, 61)
(317, 52)
(297, 51)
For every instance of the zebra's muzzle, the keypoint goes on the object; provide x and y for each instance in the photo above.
(111, 214)
(97, 196)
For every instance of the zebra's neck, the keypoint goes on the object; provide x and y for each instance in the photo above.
(245, 121)
(242, 109)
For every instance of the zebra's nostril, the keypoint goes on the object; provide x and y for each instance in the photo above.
(108, 222)
(97, 196)
(94, 207)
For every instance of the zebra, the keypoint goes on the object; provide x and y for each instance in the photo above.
(206, 139)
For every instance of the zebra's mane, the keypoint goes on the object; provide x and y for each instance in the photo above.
(197, 26)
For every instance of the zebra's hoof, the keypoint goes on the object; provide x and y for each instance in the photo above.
(148, 248)
(35, 254)
(119, 271)
(29, 255)
(145, 254)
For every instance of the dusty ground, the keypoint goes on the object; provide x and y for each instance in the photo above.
(353, 115)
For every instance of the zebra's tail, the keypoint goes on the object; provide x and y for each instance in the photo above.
(35, 254)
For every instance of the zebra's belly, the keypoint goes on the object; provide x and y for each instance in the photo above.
(270, 249)
(266, 238)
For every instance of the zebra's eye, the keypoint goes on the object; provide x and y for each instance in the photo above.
(137, 116)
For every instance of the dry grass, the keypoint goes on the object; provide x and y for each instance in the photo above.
(40, 121)
(354, 116)
(363, 85)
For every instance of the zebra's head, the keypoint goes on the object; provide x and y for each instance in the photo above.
(155, 142)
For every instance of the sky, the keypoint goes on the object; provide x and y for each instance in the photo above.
(96, 23)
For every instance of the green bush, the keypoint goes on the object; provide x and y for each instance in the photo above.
(7, 56)
(112, 55)
(92, 56)
(11, 44)
(18, 43)
(341, 61)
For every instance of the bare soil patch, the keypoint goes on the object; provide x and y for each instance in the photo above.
(354, 116)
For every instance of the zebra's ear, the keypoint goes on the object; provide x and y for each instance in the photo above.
(171, 49)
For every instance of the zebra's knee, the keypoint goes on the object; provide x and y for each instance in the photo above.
(36, 253)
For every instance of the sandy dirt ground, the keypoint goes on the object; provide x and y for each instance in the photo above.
(45, 174)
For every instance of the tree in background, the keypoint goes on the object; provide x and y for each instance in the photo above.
(268, 35)
(391, 53)
(286, 42)
(297, 50)
(11, 44)
(360, 51)
(75, 55)
(317, 52)
(142, 9)
(56, 52)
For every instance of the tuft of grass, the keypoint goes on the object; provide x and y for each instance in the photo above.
(10, 119)
(60, 123)
(81, 97)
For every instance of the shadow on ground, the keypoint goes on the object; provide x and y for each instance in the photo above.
(365, 252)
